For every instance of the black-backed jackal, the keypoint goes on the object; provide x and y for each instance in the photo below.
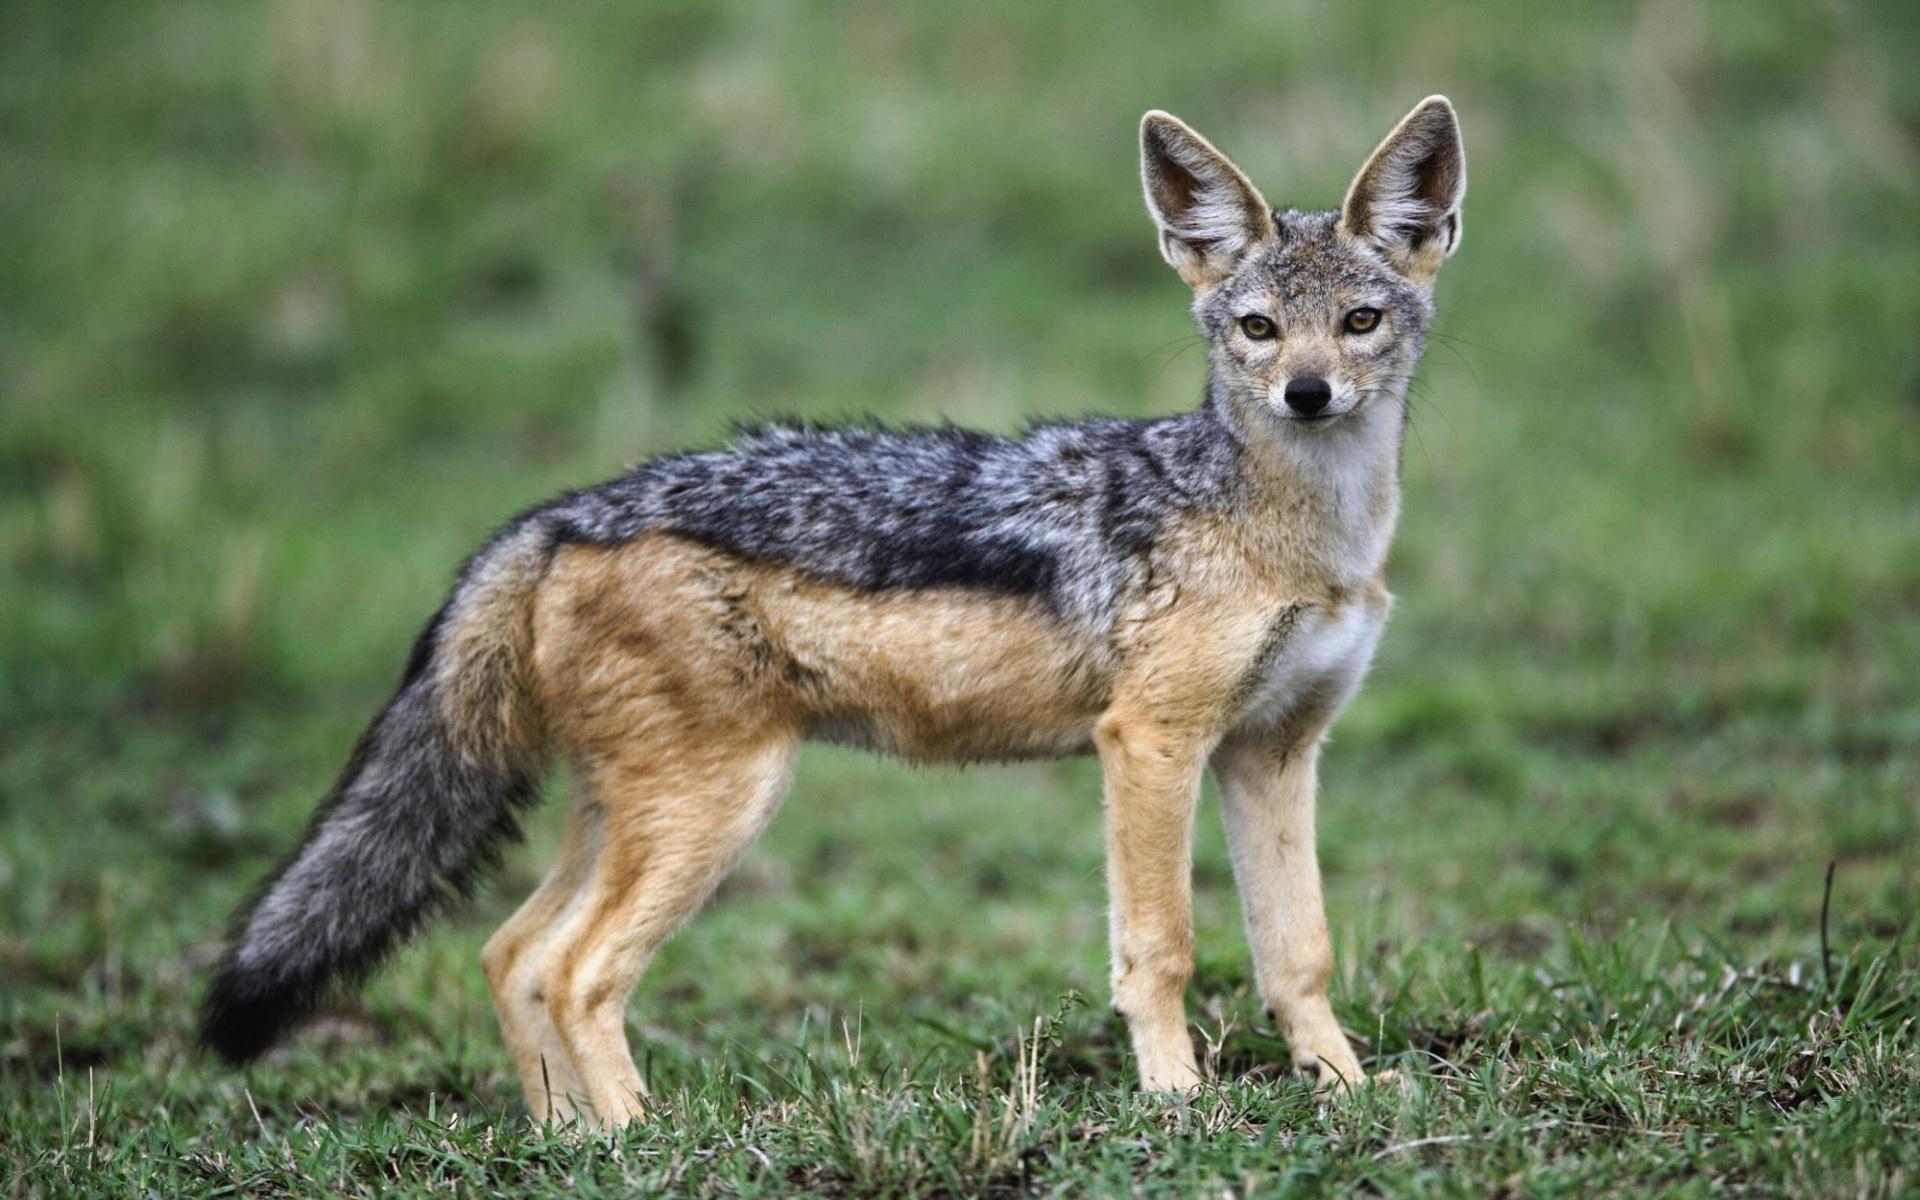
(1203, 590)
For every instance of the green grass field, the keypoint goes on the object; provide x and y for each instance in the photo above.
(297, 300)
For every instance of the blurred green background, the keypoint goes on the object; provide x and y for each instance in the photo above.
(298, 300)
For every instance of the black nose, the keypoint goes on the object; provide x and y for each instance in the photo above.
(1308, 394)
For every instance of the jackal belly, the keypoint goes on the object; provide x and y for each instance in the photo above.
(663, 633)
(941, 675)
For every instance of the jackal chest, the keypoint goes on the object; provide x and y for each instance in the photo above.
(1311, 660)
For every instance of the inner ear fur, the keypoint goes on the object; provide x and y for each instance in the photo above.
(1208, 213)
(1406, 199)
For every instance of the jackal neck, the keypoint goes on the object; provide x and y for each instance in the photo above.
(1321, 503)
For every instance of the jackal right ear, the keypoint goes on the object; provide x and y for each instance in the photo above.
(1208, 213)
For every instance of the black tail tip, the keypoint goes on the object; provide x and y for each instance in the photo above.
(240, 1021)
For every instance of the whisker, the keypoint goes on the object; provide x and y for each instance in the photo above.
(1453, 339)
(1175, 356)
(1427, 406)
(1462, 359)
(1179, 346)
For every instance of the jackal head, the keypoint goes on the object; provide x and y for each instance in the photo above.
(1314, 321)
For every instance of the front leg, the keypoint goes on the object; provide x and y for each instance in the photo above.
(1152, 781)
(1267, 806)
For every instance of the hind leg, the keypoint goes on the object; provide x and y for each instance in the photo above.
(676, 816)
(514, 958)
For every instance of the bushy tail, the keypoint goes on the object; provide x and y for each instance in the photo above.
(432, 791)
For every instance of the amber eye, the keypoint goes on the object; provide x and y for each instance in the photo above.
(1362, 320)
(1257, 327)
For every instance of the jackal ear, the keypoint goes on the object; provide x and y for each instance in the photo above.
(1209, 215)
(1406, 199)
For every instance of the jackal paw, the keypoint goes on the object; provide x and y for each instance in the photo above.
(1334, 1071)
(1171, 1073)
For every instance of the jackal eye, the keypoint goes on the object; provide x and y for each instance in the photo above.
(1361, 320)
(1257, 327)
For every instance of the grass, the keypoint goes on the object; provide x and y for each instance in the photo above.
(296, 301)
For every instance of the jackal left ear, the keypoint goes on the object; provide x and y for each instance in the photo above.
(1208, 213)
(1406, 199)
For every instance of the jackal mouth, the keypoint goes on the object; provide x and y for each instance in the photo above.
(1322, 417)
